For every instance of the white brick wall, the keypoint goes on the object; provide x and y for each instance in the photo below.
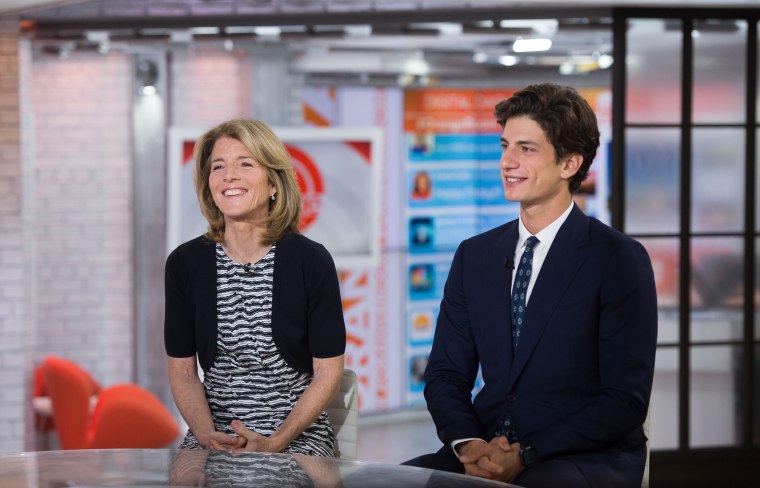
(66, 212)
(208, 88)
(14, 281)
(83, 210)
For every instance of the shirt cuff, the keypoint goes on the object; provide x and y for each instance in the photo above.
(456, 442)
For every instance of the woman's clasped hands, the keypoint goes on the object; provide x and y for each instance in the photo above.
(244, 440)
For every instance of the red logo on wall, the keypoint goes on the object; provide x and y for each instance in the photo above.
(311, 185)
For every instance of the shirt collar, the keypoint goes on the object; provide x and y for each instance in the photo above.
(547, 234)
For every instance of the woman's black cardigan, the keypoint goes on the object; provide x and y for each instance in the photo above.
(307, 313)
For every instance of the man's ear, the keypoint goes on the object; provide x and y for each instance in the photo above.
(570, 165)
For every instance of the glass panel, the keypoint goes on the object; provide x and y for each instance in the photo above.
(652, 191)
(663, 421)
(715, 396)
(717, 182)
(653, 65)
(664, 253)
(717, 289)
(720, 47)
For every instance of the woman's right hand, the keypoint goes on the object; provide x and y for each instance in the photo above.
(219, 441)
(191, 401)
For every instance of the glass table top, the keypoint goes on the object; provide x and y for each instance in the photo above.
(199, 468)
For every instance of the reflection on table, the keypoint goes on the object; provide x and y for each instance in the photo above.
(198, 468)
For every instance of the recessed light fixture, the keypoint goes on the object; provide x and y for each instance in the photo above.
(479, 57)
(604, 61)
(358, 30)
(416, 66)
(267, 31)
(538, 26)
(508, 60)
(531, 45)
(147, 77)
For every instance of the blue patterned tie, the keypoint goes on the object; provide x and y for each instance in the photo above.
(520, 289)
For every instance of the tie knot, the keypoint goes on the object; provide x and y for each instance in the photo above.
(532, 241)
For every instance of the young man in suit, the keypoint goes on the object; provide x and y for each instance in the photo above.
(558, 310)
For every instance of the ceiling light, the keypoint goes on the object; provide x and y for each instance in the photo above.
(585, 64)
(181, 36)
(405, 79)
(240, 29)
(479, 57)
(531, 45)
(268, 30)
(604, 61)
(450, 28)
(97, 36)
(442, 28)
(416, 66)
(358, 30)
(508, 60)
(540, 26)
(147, 77)
(566, 68)
(204, 31)
(101, 38)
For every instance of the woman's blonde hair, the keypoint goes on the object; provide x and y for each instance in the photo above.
(269, 152)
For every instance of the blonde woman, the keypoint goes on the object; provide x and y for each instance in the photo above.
(255, 303)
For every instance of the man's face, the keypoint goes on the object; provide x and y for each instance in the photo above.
(530, 172)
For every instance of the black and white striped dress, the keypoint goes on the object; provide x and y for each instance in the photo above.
(250, 381)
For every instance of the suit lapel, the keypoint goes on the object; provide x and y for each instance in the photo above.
(562, 263)
(500, 292)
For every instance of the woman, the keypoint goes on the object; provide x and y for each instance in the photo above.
(423, 186)
(257, 303)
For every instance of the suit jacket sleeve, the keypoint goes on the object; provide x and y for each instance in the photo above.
(453, 363)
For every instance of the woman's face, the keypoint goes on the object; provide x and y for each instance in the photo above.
(238, 183)
(422, 183)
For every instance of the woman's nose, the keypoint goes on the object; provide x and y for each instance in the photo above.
(230, 174)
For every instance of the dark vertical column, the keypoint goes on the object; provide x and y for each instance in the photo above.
(684, 300)
(619, 88)
(748, 378)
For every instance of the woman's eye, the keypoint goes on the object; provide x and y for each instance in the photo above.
(216, 167)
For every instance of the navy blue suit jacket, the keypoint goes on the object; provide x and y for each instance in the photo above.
(578, 385)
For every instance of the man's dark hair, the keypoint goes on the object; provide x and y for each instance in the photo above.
(565, 117)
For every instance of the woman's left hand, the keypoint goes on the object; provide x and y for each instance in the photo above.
(254, 442)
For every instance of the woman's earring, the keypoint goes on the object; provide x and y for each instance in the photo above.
(271, 197)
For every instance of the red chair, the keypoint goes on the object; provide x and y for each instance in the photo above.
(125, 416)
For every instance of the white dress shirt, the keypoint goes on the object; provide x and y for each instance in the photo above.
(540, 250)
